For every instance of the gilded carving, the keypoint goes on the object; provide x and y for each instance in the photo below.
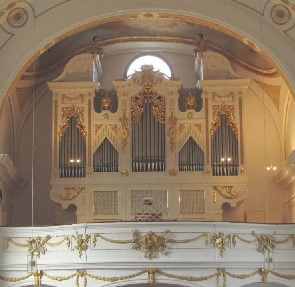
(124, 130)
(94, 47)
(37, 277)
(152, 275)
(201, 45)
(66, 99)
(55, 133)
(207, 135)
(190, 101)
(264, 242)
(263, 273)
(124, 173)
(242, 171)
(229, 111)
(226, 191)
(97, 128)
(221, 242)
(223, 97)
(181, 127)
(71, 193)
(106, 103)
(35, 245)
(89, 132)
(148, 95)
(172, 131)
(81, 243)
(150, 243)
(73, 111)
(172, 172)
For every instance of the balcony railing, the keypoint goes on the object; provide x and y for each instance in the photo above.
(215, 254)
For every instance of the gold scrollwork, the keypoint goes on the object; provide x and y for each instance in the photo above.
(220, 241)
(71, 193)
(81, 243)
(172, 131)
(150, 243)
(229, 111)
(148, 95)
(226, 191)
(124, 130)
(73, 111)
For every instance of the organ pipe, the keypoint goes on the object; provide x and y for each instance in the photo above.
(148, 142)
(224, 150)
(106, 158)
(72, 151)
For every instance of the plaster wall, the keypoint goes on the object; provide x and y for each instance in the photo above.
(262, 147)
(7, 140)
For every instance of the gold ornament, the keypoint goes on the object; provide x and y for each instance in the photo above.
(150, 243)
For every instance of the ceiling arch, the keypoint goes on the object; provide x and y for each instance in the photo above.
(171, 22)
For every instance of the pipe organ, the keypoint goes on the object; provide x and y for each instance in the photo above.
(148, 149)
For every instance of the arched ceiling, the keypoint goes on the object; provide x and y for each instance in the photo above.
(54, 31)
(152, 32)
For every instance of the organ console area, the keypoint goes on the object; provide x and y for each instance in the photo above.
(148, 149)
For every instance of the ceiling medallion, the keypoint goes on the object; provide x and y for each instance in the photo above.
(17, 17)
(280, 14)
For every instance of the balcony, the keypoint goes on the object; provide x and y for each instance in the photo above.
(124, 253)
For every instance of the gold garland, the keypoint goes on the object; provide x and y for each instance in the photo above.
(109, 240)
(96, 235)
(60, 278)
(44, 241)
(234, 242)
(188, 278)
(66, 238)
(114, 279)
(241, 276)
(283, 276)
(82, 273)
(15, 279)
(205, 234)
(8, 240)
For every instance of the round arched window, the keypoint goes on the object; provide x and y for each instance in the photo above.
(158, 63)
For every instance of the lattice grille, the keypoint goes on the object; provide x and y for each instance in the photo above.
(149, 205)
(192, 202)
(106, 203)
